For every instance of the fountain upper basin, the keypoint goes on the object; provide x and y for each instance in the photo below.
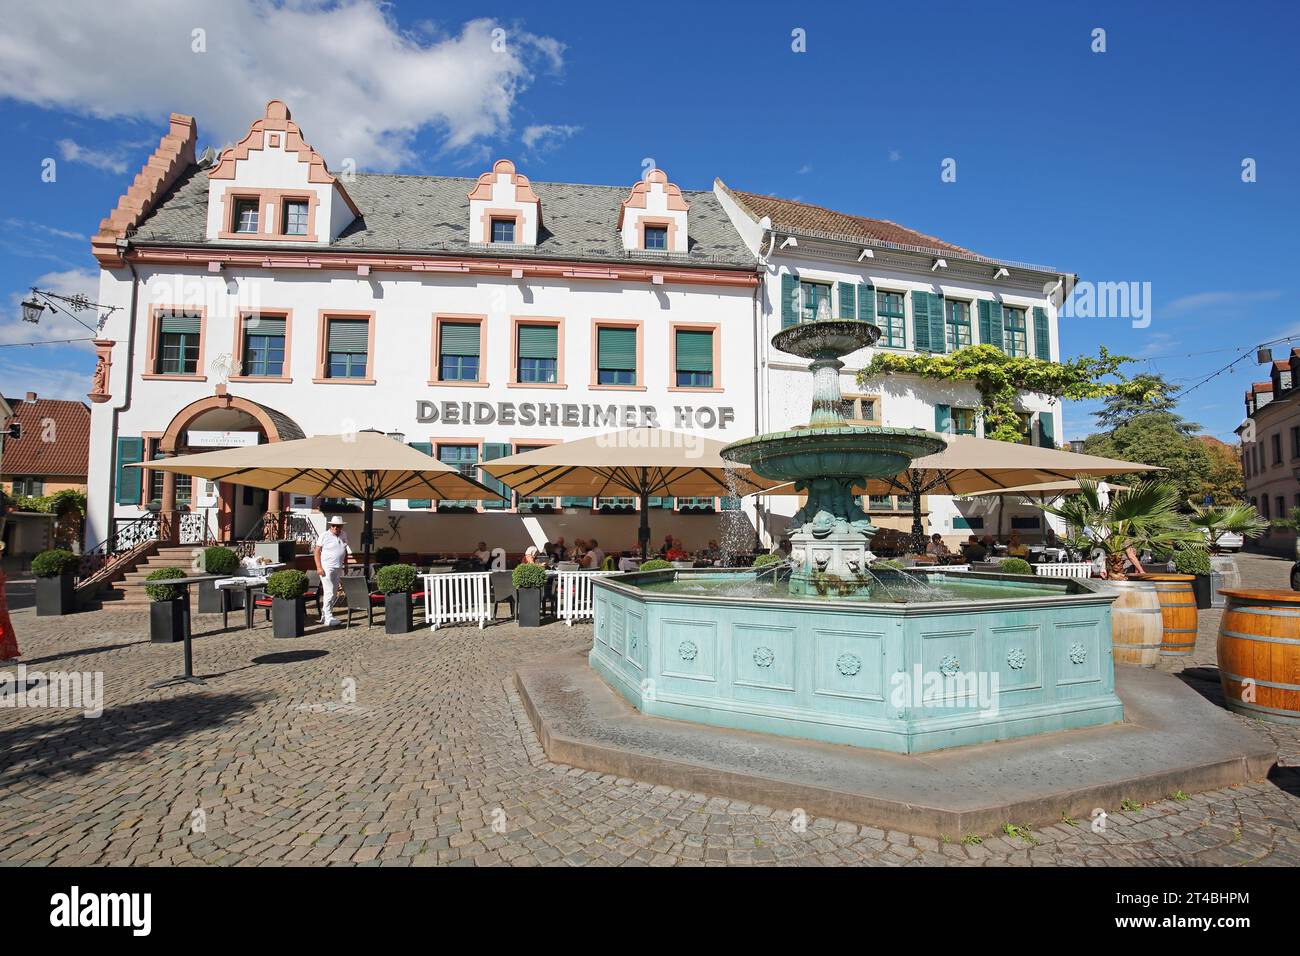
(833, 451)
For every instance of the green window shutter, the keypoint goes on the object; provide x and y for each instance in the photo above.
(990, 322)
(493, 450)
(458, 338)
(348, 335)
(427, 448)
(848, 301)
(538, 341)
(129, 480)
(694, 351)
(170, 323)
(667, 503)
(616, 349)
(1042, 338)
(943, 419)
(264, 325)
(866, 302)
(938, 333)
(921, 321)
(1046, 430)
(789, 299)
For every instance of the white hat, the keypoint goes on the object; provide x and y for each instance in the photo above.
(337, 519)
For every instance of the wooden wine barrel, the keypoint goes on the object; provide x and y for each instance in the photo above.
(1259, 653)
(1178, 612)
(1136, 624)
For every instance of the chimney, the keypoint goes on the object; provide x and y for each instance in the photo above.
(31, 396)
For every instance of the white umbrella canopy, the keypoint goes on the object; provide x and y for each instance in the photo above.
(367, 465)
(640, 462)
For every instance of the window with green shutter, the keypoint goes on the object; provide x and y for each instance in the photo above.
(427, 448)
(963, 421)
(866, 302)
(537, 348)
(889, 316)
(1042, 337)
(491, 451)
(990, 322)
(129, 480)
(263, 346)
(464, 458)
(1014, 334)
(1046, 430)
(812, 295)
(943, 419)
(615, 355)
(458, 351)
(693, 355)
(178, 343)
(789, 299)
(848, 300)
(880, 503)
(927, 322)
(958, 324)
(347, 348)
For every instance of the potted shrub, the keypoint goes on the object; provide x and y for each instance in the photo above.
(1196, 562)
(220, 563)
(55, 572)
(529, 579)
(288, 607)
(659, 564)
(387, 555)
(396, 582)
(764, 560)
(169, 612)
(1016, 566)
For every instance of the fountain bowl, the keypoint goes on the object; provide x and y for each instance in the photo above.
(833, 451)
(826, 338)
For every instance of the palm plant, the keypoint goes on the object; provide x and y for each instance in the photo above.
(1242, 519)
(1144, 516)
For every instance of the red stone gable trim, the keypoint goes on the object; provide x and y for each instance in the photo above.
(175, 154)
(636, 198)
(278, 118)
(523, 188)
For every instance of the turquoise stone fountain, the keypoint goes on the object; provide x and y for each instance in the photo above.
(832, 649)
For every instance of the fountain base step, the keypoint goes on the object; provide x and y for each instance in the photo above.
(1172, 739)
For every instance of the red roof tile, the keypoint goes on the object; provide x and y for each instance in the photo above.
(65, 423)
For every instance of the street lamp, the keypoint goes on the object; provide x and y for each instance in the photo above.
(32, 310)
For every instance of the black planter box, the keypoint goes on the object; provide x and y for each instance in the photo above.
(288, 616)
(210, 595)
(398, 613)
(169, 620)
(1204, 593)
(530, 607)
(55, 596)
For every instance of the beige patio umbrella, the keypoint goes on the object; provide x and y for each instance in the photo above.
(640, 462)
(1041, 493)
(981, 466)
(368, 465)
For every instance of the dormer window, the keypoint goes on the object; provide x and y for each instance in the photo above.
(656, 237)
(245, 215)
(503, 230)
(653, 217)
(295, 217)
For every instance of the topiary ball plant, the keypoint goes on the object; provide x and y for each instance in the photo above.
(288, 584)
(396, 579)
(55, 563)
(387, 555)
(528, 576)
(656, 564)
(1015, 566)
(763, 560)
(163, 592)
(1192, 561)
(219, 560)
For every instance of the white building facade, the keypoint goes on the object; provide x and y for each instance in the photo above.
(266, 298)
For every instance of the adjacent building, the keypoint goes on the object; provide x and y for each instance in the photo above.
(43, 450)
(1270, 448)
(265, 296)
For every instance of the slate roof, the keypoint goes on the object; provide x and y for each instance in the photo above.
(430, 215)
(65, 456)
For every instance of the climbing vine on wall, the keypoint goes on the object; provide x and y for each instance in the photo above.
(999, 377)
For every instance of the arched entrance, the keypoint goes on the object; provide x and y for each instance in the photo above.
(197, 428)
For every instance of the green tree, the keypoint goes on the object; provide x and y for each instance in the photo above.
(1156, 440)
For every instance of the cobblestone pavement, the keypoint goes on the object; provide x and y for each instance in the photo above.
(433, 762)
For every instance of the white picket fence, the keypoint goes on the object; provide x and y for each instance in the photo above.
(575, 595)
(457, 598)
(1064, 569)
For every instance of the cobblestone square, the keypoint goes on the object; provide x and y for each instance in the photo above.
(350, 747)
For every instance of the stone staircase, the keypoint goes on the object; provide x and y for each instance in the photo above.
(127, 591)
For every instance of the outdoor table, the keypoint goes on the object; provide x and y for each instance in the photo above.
(249, 585)
(188, 677)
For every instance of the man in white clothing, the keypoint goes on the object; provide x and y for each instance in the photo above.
(331, 553)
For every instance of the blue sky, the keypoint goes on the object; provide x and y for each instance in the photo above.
(1119, 166)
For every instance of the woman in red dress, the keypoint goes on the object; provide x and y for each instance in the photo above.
(8, 639)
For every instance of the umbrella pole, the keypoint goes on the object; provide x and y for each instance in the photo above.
(918, 530)
(367, 534)
(643, 533)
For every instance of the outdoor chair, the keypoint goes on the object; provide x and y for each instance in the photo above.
(503, 591)
(357, 590)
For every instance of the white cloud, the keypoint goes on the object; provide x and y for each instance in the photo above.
(546, 136)
(895, 155)
(53, 325)
(1205, 300)
(360, 86)
(28, 225)
(804, 170)
(112, 160)
(26, 370)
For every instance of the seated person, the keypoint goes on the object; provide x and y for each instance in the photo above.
(1015, 547)
(972, 550)
(666, 547)
(594, 557)
(936, 548)
(482, 555)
